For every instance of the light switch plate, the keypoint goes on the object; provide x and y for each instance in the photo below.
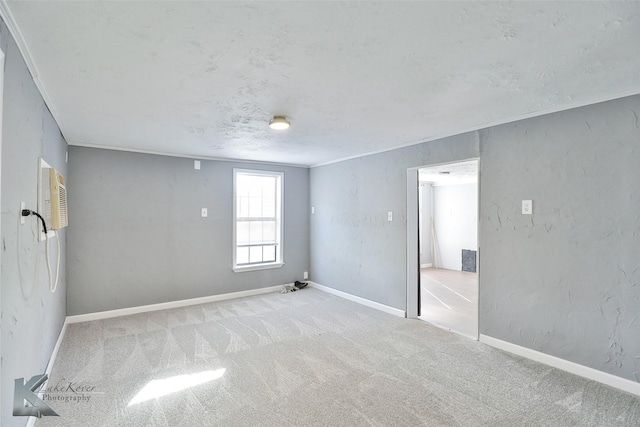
(196, 165)
(390, 216)
(204, 212)
(527, 207)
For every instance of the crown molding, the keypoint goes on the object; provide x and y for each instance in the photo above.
(183, 156)
(10, 21)
(16, 33)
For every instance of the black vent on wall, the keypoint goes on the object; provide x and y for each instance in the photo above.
(468, 260)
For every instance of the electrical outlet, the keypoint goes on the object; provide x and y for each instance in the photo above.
(196, 165)
(204, 213)
(527, 207)
(23, 206)
(305, 275)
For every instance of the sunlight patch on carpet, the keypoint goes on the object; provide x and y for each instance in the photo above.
(163, 387)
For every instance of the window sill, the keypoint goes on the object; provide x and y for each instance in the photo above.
(268, 266)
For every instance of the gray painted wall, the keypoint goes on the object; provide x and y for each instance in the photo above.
(31, 317)
(137, 236)
(353, 247)
(566, 280)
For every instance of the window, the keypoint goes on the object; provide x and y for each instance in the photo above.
(257, 215)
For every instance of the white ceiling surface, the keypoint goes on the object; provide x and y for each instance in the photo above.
(203, 79)
(450, 174)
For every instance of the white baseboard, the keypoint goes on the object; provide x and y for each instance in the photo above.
(54, 353)
(360, 300)
(31, 422)
(428, 265)
(574, 368)
(167, 305)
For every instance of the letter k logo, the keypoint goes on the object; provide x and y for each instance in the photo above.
(25, 391)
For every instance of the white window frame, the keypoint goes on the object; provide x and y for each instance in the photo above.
(279, 223)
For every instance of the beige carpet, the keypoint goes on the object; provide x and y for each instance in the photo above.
(308, 359)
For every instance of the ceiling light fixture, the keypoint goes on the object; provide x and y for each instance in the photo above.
(279, 123)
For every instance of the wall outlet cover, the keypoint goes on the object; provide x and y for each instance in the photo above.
(23, 206)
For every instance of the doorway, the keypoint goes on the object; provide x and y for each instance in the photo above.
(448, 246)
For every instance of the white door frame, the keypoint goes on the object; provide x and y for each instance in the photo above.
(413, 251)
(1, 112)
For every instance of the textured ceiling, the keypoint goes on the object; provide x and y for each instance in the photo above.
(203, 78)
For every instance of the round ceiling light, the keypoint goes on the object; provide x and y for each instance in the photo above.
(279, 123)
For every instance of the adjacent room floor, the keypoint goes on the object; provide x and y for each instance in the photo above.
(450, 299)
(308, 358)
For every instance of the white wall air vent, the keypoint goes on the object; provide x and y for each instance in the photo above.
(59, 218)
(52, 197)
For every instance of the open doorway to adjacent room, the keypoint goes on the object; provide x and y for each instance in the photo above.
(448, 246)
